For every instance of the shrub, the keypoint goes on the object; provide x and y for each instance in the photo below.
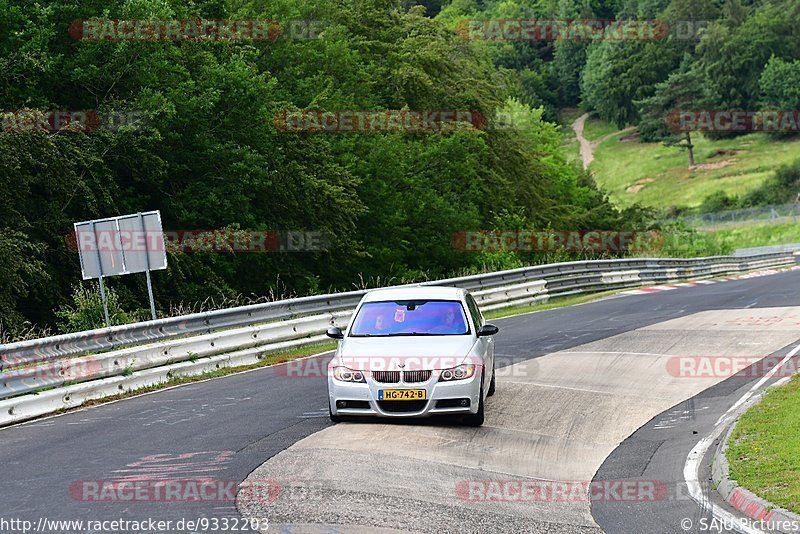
(87, 311)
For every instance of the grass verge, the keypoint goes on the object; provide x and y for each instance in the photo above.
(758, 235)
(557, 303)
(763, 449)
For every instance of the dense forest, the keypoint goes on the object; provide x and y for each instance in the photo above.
(207, 151)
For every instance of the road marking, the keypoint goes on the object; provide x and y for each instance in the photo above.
(667, 287)
(691, 469)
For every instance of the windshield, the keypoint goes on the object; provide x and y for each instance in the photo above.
(409, 318)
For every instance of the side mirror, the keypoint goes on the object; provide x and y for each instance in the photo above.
(488, 330)
(334, 332)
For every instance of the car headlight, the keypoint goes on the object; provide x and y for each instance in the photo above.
(461, 372)
(344, 374)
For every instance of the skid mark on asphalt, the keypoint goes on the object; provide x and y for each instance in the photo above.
(552, 386)
(321, 413)
(555, 417)
(678, 416)
(174, 412)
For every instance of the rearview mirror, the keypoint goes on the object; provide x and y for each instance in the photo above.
(334, 332)
(488, 330)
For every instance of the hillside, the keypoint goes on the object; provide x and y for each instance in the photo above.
(654, 175)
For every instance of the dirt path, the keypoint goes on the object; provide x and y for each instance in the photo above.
(587, 147)
(587, 151)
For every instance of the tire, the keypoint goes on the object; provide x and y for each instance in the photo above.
(492, 385)
(334, 418)
(476, 419)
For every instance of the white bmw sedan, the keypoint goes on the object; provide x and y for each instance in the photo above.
(413, 352)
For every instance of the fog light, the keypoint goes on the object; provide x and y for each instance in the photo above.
(341, 404)
(465, 402)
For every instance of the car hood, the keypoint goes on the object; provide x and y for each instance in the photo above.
(404, 352)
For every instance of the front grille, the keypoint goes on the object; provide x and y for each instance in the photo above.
(393, 377)
(402, 406)
(386, 377)
(411, 377)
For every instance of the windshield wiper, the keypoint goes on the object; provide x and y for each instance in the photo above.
(396, 334)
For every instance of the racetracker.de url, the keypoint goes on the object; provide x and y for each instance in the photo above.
(131, 526)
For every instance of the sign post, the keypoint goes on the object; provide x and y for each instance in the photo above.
(105, 302)
(121, 245)
(102, 289)
(147, 273)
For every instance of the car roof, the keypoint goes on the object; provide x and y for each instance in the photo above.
(415, 293)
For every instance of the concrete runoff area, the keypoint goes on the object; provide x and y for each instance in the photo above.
(554, 418)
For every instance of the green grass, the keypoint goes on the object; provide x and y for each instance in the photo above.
(758, 235)
(572, 149)
(595, 128)
(763, 449)
(666, 179)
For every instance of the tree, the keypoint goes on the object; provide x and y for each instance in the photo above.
(683, 90)
(209, 156)
(618, 73)
(780, 84)
(569, 58)
(733, 51)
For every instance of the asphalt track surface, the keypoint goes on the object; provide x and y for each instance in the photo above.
(584, 395)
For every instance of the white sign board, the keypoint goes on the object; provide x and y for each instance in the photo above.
(121, 245)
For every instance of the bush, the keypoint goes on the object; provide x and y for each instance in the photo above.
(781, 188)
(780, 84)
(87, 312)
(683, 241)
(719, 201)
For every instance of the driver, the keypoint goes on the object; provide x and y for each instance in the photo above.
(381, 324)
(450, 318)
(448, 324)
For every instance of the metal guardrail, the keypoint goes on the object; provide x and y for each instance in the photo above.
(103, 339)
(771, 249)
(59, 361)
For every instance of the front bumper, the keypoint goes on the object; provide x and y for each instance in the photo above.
(365, 397)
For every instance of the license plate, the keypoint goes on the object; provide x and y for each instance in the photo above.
(402, 394)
